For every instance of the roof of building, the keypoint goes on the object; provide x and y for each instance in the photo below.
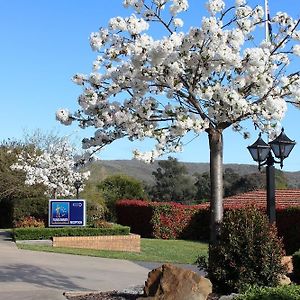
(284, 198)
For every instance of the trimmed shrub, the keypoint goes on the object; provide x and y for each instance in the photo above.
(287, 292)
(248, 252)
(48, 233)
(161, 219)
(136, 214)
(171, 220)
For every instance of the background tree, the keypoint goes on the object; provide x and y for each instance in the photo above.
(172, 183)
(203, 187)
(116, 187)
(208, 78)
(55, 168)
(12, 183)
(247, 183)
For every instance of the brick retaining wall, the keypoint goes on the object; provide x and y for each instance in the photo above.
(131, 243)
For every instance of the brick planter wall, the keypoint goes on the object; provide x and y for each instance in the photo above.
(131, 243)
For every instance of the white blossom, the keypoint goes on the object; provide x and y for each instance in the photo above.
(64, 116)
(175, 84)
(178, 22)
(54, 167)
(296, 50)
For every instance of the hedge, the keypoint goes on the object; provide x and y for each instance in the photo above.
(31, 233)
(136, 214)
(166, 220)
(169, 220)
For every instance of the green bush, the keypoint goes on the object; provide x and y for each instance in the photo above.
(116, 187)
(296, 266)
(290, 292)
(32, 233)
(6, 213)
(248, 252)
(34, 207)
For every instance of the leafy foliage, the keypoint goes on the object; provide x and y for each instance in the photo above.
(118, 187)
(290, 292)
(203, 187)
(29, 222)
(171, 220)
(47, 233)
(172, 182)
(36, 208)
(13, 182)
(248, 252)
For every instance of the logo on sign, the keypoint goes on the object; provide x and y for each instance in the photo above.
(60, 213)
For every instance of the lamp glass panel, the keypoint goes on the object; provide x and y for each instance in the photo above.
(258, 153)
(275, 149)
(286, 150)
(263, 153)
(254, 153)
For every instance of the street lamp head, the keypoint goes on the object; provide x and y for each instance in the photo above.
(282, 146)
(77, 184)
(259, 150)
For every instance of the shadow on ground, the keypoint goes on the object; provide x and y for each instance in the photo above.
(42, 277)
(5, 236)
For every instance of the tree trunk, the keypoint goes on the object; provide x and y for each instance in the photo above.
(216, 183)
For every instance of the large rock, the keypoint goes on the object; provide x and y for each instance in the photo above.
(169, 282)
(287, 261)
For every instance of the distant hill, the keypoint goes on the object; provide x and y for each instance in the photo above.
(142, 171)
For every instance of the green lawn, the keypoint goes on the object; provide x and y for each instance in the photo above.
(173, 251)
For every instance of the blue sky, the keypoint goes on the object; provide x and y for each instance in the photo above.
(44, 43)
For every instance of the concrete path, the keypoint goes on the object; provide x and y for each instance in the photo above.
(31, 275)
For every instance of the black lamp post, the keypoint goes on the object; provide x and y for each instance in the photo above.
(77, 185)
(261, 152)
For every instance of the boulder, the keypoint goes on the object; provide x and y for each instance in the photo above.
(169, 282)
(284, 280)
(287, 261)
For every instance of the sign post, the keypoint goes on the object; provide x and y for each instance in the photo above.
(66, 212)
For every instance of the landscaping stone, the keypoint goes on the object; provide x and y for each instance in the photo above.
(169, 282)
(284, 280)
(288, 262)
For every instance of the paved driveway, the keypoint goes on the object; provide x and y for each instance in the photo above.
(31, 275)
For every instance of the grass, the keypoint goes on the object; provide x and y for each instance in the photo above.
(154, 250)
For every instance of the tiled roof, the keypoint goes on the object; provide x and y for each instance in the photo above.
(284, 198)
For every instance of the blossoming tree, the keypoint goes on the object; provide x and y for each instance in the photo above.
(206, 79)
(55, 168)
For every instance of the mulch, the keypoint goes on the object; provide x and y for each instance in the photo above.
(115, 295)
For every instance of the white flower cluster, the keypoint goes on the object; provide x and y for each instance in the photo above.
(132, 24)
(55, 168)
(185, 82)
(215, 6)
